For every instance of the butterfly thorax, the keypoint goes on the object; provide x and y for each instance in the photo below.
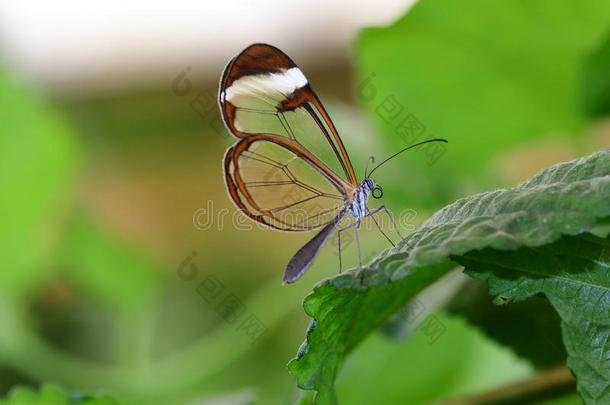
(357, 206)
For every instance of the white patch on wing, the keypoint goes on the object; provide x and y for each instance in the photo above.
(270, 87)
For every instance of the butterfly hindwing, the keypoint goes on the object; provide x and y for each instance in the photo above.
(277, 182)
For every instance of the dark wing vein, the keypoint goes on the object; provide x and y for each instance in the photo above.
(268, 183)
(319, 214)
(293, 179)
(283, 207)
(259, 158)
(330, 141)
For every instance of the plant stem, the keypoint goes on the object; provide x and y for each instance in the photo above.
(546, 385)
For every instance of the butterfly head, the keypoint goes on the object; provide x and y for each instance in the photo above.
(372, 188)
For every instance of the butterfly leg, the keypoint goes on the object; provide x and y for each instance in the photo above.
(357, 232)
(361, 270)
(339, 249)
(379, 227)
(393, 219)
(355, 225)
(339, 231)
(389, 213)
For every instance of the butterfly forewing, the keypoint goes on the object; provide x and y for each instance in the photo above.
(264, 92)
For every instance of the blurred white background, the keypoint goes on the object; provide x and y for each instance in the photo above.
(109, 44)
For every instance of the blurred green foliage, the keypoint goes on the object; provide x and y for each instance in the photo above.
(52, 395)
(595, 81)
(38, 161)
(542, 346)
(486, 76)
(90, 310)
(86, 255)
(428, 368)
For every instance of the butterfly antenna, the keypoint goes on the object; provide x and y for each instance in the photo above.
(407, 148)
(369, 162)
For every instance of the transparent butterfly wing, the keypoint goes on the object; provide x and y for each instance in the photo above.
(276, 182)
(263, 91)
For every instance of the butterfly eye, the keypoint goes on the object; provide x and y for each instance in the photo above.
(377, 192)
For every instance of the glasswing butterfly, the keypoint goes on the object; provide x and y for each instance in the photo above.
(289, 170)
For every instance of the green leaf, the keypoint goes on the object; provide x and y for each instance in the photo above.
(566, 199)
(344, 314)
(484, 75)
(573, 273)
(52, 395)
